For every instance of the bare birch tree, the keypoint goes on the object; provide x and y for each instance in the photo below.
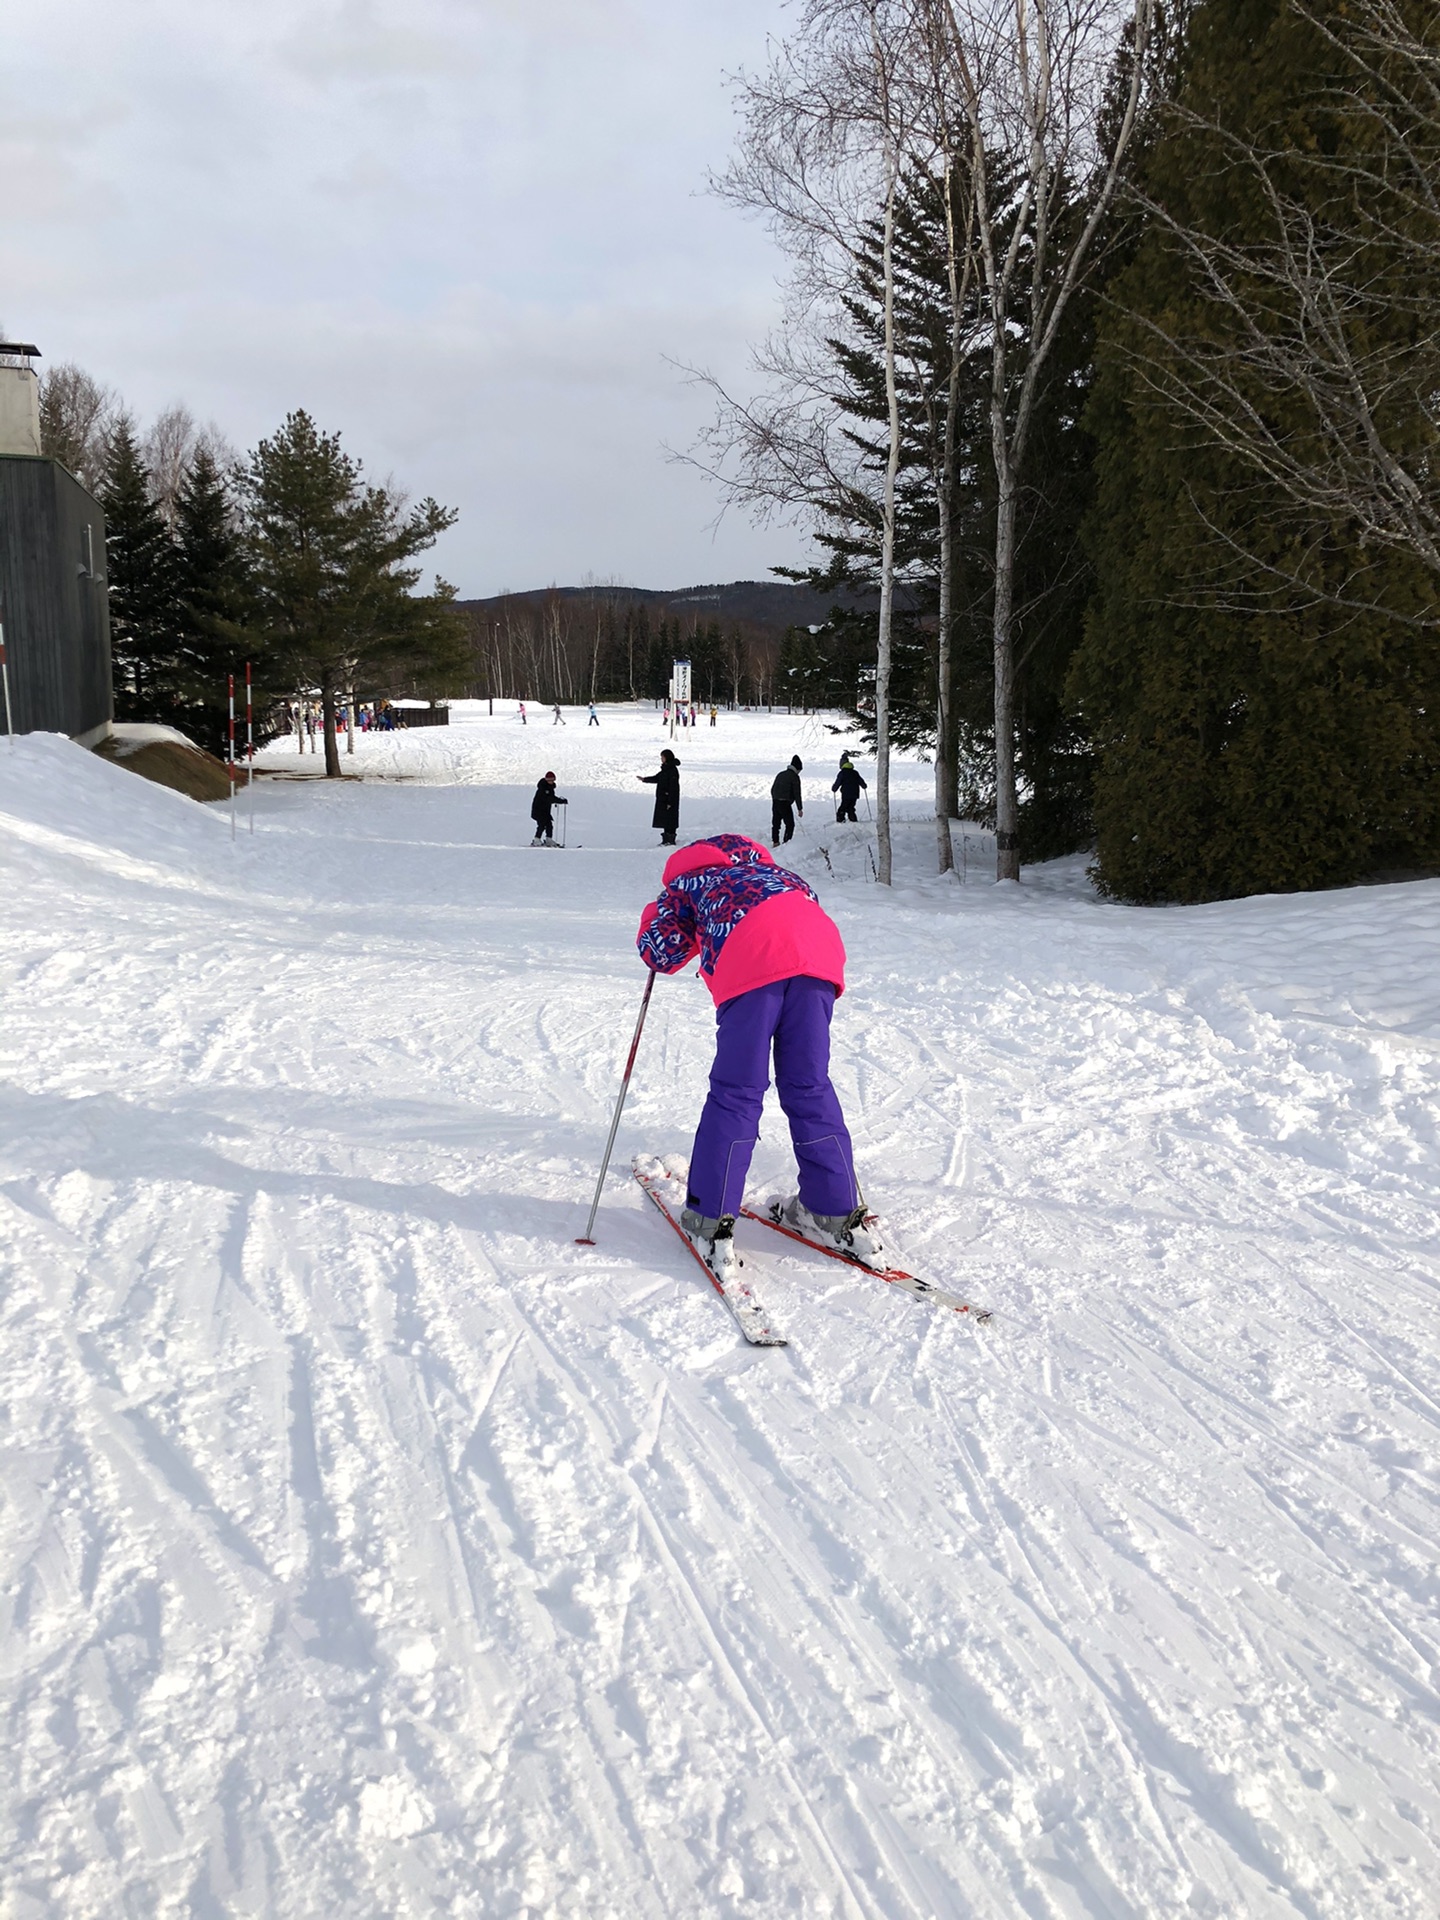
(828, 131)
(1033, 80)
(76, 415)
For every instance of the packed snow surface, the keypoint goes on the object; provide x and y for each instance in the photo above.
(372, 1549)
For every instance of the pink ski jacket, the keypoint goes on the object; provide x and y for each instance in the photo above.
(750, 921)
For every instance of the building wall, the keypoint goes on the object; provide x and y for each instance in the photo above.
(57, 617)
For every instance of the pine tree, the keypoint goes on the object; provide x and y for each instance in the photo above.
(140, 564)
(333, 590)
(1266, 707)
(212, 595)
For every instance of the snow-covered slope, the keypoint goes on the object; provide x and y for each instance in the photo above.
(370, 1549)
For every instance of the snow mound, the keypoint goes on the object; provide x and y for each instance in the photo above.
(130, 735)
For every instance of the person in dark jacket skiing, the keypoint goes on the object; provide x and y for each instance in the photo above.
(849, 785)
(774, 962)
(542, 811)
(667, 796)
(786, 800)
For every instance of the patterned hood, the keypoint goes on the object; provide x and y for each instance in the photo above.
(721, 850)
(709, 889)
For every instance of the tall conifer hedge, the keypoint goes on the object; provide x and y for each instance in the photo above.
(1262, 689)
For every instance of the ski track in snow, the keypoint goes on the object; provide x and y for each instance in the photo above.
(370, 1548)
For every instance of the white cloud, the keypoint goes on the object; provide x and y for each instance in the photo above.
(464, 232)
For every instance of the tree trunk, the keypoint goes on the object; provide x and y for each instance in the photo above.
(332, 744)
(944, 770)
(887, 553)
(1007, 803)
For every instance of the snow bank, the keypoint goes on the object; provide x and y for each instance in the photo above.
(370, 1548)
(131, 735)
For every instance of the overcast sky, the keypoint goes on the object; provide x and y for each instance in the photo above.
(464, 233)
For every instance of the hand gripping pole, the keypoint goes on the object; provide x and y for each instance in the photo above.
(585, 1239)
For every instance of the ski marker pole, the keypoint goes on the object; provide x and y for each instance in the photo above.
(232, 756)
(250, 745)
(586, 1239)
(5, 671)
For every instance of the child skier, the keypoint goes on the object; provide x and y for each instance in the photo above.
(542, 811)
(786, 796)
(849, 785)
(775, 965)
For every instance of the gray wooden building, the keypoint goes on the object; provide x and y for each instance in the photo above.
(53, 596)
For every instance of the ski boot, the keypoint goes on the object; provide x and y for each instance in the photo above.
(714, 1241)
(856, 1234)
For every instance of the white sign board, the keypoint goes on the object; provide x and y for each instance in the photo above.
(680, 681)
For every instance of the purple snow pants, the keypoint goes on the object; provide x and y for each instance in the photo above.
(795, 1014)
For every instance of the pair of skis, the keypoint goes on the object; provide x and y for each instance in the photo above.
(750, 1316)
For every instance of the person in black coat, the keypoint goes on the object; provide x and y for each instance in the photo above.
(667, 796)
(849, 785)
(786, 800)
(542, 811)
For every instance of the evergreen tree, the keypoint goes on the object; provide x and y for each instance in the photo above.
(212, 599)
(1261, 685)
(333, 590)
(140, 564)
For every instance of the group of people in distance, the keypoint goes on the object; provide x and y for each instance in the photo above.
(685, 716)
(787, 799)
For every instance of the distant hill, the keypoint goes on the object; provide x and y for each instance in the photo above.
(770, 605)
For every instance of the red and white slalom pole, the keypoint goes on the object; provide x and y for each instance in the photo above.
(5, 674)
(250, 744)
(232, 756)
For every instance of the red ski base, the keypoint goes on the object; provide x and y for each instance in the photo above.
(748, 1313)
(893, 1276)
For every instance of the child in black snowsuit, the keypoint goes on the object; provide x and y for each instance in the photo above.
(849, 785)
(785, 798)
(542, 811)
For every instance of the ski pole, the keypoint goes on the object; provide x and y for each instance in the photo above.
(585, 1239)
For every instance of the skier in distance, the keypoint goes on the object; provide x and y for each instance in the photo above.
(667, 796)
(849, 785)
(785, 799)
(542, 811)
(774, 962)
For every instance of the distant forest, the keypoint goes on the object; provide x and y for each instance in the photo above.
(572, 644)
